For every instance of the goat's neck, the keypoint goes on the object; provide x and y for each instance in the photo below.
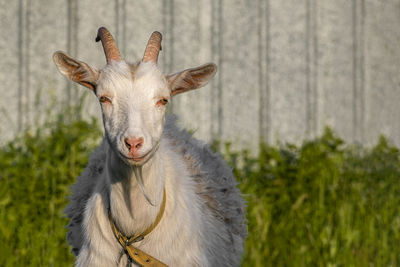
(129, 208)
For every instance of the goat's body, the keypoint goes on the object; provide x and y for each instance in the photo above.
(203, 223)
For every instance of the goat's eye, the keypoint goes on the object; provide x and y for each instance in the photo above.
(162, 102)
(105, 99)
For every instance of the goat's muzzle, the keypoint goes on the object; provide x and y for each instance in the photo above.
(133, 145)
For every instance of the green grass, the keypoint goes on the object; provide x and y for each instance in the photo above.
(36, 172)
(324, 203)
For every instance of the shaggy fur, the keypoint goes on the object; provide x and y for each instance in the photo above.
(218, 213)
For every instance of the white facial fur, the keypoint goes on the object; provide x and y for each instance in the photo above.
(133, 99)
(133, 110)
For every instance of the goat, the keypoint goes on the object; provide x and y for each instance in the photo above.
(151, 193)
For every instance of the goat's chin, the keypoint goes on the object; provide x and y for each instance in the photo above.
(137, 161)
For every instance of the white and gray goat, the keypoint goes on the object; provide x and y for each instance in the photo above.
(151, 194)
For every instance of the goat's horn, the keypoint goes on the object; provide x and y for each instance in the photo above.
(109, 45)
(153, 48)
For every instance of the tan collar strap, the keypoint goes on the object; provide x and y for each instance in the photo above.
(135, 254)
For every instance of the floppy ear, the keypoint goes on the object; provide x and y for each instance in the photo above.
(190, 79)
(75, 70)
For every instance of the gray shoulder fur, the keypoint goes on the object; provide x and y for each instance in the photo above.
(215, 184)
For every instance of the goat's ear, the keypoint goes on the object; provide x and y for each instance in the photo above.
(75, 70)
(190, 79)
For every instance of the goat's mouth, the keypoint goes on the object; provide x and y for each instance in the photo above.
(136, 159)
(141, 159)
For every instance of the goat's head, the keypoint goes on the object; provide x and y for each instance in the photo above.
(133, 98)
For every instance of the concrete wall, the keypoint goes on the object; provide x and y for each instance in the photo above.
(287, 68)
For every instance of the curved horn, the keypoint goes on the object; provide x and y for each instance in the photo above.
(153, 48)
(109, 45)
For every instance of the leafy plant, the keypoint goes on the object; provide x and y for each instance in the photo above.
(37, 170)
(324, 203)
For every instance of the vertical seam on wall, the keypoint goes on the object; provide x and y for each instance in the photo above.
(69, 30)
(268, 122)
(164, 19)
(75, 41)
(27, 62)
(76, 26)
(72, 46)
(198, 36)
(116, 20)
(311, 47)
(120, 25)
(20, 63)
(124, 28)
(166, 5)
(213, 81)
(220, 45)
(260, 74)
(355, 67)
(263, 63)
(316, 70)
(171, 43)
(171, 35)
(308, 69)
(362, 70)
(217, 56)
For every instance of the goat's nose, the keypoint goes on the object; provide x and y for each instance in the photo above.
(134, 144)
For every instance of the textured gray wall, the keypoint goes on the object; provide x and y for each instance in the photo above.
(287, 68)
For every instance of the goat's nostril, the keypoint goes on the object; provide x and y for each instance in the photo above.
(133, 144)
(127, 143)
